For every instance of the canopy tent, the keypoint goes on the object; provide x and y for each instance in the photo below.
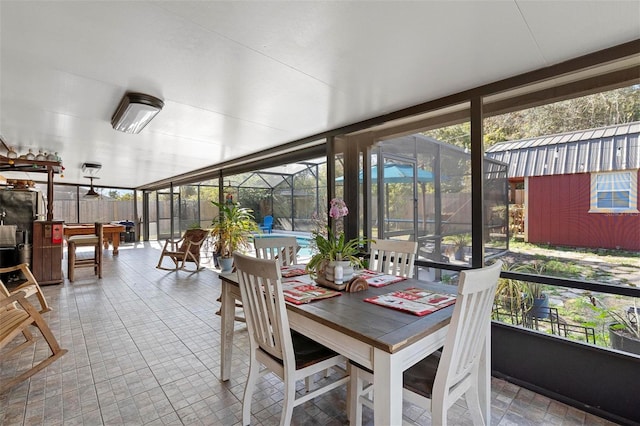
(400, 173)
(397, 173)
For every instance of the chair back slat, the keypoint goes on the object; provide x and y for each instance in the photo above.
(282, 249)
(264, 306)
(469, 326)
(393, 257)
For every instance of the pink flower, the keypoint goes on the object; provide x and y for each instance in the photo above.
(338, 208)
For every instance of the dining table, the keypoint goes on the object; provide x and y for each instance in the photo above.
(110, 231)
(384, 340)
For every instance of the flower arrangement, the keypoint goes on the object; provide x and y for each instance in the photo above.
(330, 247)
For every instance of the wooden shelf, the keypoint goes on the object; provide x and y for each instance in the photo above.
(27, 166)
(34, 166)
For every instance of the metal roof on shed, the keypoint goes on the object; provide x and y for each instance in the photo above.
(604, 149)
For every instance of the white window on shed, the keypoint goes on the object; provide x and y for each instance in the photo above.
(614, 192)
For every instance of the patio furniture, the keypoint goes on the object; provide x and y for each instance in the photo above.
(267, 224)
(74, 261)
(439, 380)
(183, 250)
(383, 340)
(110, 233)
(28, 285)
(289, 355)
(282, 249)
(15, 320)
(393, 257)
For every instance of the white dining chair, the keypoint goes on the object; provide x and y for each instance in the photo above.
(284, 249)
(393, 257)
(286, 353)
(439, 380)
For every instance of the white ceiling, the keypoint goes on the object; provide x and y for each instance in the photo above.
(238, 77)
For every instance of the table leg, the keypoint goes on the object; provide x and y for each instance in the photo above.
(116, 242)
(387, 389)
(227, 314)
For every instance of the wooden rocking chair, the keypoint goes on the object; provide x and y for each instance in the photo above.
(29, 285)
(185, 249)
(16, 315)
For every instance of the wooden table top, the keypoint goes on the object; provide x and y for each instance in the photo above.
(381, 327)
(108, 227)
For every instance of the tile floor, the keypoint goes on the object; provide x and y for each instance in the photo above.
(144, 350)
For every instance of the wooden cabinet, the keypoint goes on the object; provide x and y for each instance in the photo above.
(46, 263)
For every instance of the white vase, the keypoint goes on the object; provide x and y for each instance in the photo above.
(347, 269)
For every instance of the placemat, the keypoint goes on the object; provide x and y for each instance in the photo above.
(305, 293)
(378, 279)
(293, 271)
(414, 300)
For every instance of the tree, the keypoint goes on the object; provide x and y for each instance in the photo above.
(587, 112)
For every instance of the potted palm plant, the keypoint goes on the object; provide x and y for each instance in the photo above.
(624, 330)
(523, 298)
(539, 300)
(331, 249)
(510, 294)
(460, 242)
(233, 228)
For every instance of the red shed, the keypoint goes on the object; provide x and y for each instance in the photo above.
(580, 188)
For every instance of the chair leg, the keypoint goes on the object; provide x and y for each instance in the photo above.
(29, 340)
(249, 387)
(360, 393)
(438, 410)
(95, 260)
(98, 260)
(71, 260)
(288, 402)
(473, 404)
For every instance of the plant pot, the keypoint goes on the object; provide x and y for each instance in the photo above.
(459, 254)
(540, 308)
(347, 270)
(623, 340)
(226, 264)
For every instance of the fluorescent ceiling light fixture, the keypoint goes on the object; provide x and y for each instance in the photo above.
(91, 168)
(135, 111)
